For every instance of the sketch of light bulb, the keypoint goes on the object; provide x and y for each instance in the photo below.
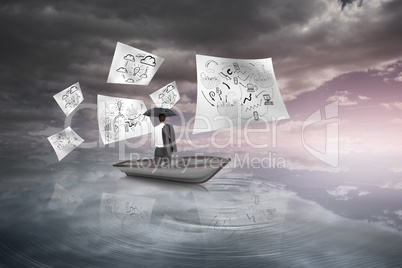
(136, 70)
(119, 105)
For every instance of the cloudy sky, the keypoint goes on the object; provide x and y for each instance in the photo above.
(320, 54)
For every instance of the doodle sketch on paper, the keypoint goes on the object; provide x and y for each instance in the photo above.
(121, 119)
(69, 98)
(241, 218)
(133, 66)
(236, 91)
(171, 229)
(167, 96)
(64, 200)
(229, 223)
(65, 142)
(123, 211)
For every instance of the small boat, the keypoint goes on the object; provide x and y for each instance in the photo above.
(189, 169)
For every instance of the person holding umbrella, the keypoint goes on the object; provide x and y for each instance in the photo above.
(164, 135)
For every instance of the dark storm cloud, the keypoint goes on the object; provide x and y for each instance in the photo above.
(45, 41)
(346, 2)
(332, 44)
(51, 45)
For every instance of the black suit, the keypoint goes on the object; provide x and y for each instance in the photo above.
(169, 144)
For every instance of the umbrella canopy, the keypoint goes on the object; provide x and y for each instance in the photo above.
(155, 112)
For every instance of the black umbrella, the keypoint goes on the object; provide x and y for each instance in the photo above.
(155, 112)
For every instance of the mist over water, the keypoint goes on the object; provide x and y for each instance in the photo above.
(85, 213)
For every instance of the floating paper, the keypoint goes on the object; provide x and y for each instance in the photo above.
(167, 96)
(63, 200)
(243, 218)
(233, 92)
(125, 212)
(171, 229)
(121, 119)
(69, 98)
(133, 66)
(65, 142)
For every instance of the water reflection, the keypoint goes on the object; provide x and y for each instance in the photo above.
(63, 200)
(208, 222)
(123, 212)
(237, 221)
(110, 220)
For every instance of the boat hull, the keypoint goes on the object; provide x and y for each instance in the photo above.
(190, 169)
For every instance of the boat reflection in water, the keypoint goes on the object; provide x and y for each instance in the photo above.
(205, 225)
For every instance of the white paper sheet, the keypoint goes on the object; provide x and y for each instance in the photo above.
(63, 200)
(128, 213)
(133, 66)
(69, 98)
(243, 218)
(121, 119)
(170, 229)
(166, 96)
(65, 142)
(232, 92)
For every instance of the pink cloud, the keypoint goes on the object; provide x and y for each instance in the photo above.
(394, 105)
(364, 98)
(342, 98)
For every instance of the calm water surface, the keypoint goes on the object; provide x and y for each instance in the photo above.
(88, 214)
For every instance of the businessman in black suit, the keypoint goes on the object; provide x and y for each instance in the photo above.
(165, 141)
